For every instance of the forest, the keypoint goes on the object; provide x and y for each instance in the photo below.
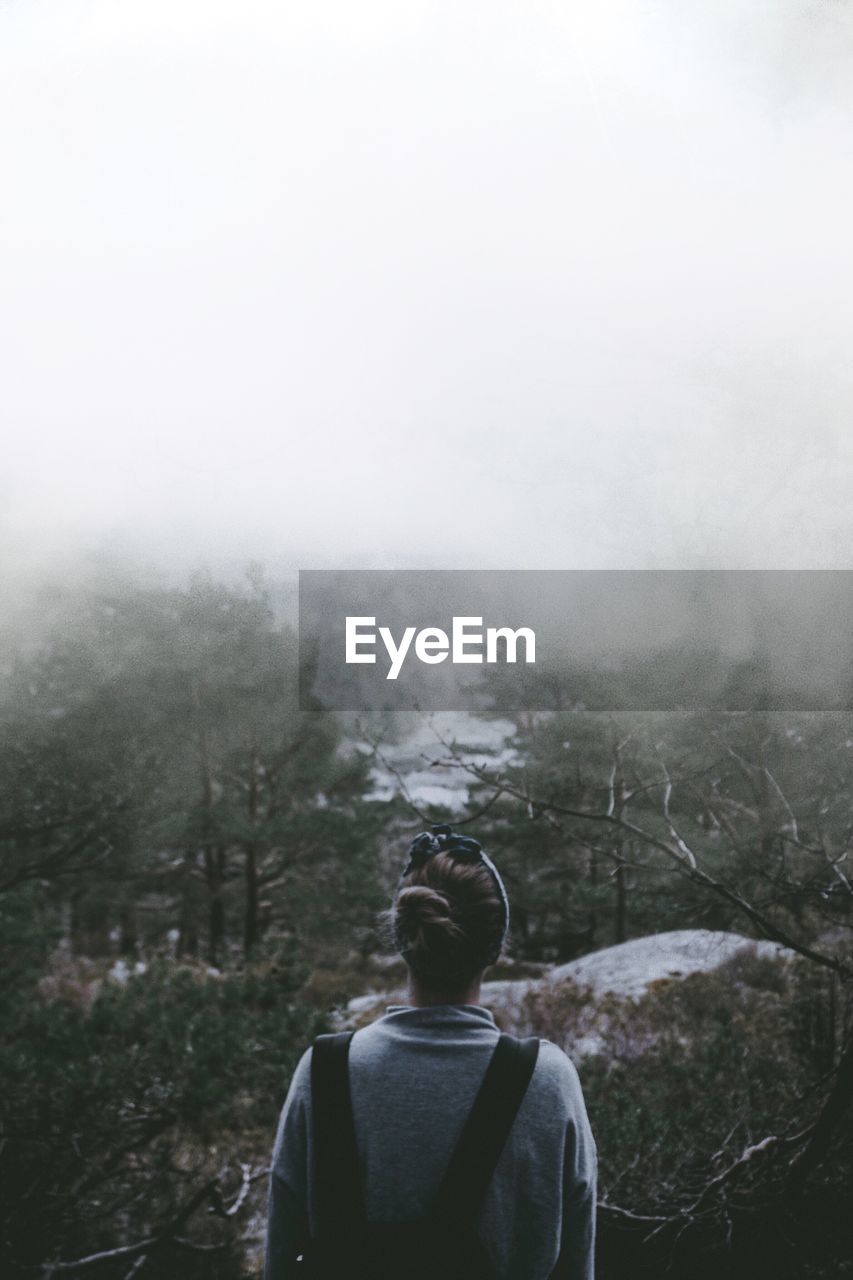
(191, 868)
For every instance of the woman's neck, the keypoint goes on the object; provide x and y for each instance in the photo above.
(421, 995)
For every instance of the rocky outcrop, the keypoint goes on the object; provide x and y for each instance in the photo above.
(586, 988)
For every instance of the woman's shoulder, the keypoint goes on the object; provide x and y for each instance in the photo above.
(555, 1058)
(300, 1080)
(557, 1075)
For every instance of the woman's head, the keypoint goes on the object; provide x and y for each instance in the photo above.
(450, 912)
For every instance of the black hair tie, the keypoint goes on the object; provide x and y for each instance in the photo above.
(443, 839)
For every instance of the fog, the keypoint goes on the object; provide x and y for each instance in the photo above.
(475, 285)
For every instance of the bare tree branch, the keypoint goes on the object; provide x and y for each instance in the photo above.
(679, 853)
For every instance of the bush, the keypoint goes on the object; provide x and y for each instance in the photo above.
(679, 1082)
(110, 1115)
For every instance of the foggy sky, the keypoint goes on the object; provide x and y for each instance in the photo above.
(538, 285)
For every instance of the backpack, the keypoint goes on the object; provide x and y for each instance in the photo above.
(443, 1245)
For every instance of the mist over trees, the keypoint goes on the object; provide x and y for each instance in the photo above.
(191, 865)
(158, 774)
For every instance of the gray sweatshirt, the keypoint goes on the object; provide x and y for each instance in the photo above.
(414, 1075)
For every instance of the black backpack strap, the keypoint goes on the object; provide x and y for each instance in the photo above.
(485, 1131)
(340, 1206)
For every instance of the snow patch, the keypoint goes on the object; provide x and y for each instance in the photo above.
(121, 971)
(416, 757)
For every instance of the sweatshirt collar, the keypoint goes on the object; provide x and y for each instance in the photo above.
(440, 1015)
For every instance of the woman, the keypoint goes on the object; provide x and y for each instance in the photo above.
(381, 1128)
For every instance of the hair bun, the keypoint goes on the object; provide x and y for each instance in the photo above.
(431, 938)
(420, 907)
(448, 917)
